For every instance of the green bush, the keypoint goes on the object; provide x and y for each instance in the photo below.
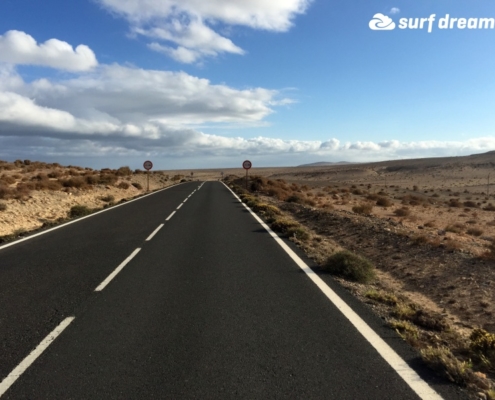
(350, 266)
(79, 211)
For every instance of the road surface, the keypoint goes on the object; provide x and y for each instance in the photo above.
(183, 294)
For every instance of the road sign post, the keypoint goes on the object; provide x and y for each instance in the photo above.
(247, 166)
(147, 166)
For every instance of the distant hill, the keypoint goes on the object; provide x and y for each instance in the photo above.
(324, 163)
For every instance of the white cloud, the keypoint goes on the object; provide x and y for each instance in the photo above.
(189, 23)
(394, 10)
(117, 111)
(381, 22)
(118, 103)
(17, 47)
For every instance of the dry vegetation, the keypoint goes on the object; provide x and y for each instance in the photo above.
(427, 227)
(415, 239)
(34, 195)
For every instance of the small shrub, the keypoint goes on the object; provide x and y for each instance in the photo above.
(350, 266)
(454, 228)
(298, 232)
(442, 360)
(79, 211)
(421, 239)
(406, 330)
(294, 199)
(5, 191)
(124, 171)
(267, 210)
(47, 185)
(382, 297)
(77, 182)
(430, 224)
(107, 179)
(402, 212)
(123, 185)
(404, 311)
(384, 202)
(137, 185)
(108, 199)
(474, 232)
(92, 179)
(483, 343)
(363, 209)
(7, 179)
(489, 207)
(283, 225)
(3, 206)
(54, 174)
(470, 204)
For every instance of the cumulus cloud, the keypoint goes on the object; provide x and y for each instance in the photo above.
(17, 47)
(116, 103)
(189, 24)
(381, 22)
(119, 111)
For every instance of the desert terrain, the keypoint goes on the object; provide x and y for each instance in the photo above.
(427, 225)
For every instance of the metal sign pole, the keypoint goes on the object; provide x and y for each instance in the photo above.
(147, 166)
(247, 165)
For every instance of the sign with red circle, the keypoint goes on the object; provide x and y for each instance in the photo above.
(247, 164)
(148, 165)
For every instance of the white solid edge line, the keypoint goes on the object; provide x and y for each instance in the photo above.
(154, 233)
(170, 216)
(180, 205)
(31, 358)
(87, 216)
(418, 385)
(102, 285)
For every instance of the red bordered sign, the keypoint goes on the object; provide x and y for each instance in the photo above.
(247, 164)
(148, 165)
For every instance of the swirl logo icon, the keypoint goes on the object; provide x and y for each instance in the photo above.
(381, 22)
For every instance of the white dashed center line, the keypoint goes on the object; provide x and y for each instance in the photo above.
(31, 358)
(154, 232)
(102, 285)
(170, 216)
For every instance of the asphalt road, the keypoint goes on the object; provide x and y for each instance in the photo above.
(210, 307)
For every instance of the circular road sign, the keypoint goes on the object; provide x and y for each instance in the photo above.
(247, 164)
(148, 165)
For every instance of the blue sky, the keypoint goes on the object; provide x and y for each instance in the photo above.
(196, 84)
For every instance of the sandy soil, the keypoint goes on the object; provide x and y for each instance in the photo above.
(37, 207)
